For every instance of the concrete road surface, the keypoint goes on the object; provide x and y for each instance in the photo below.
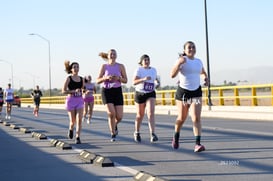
(236, 149)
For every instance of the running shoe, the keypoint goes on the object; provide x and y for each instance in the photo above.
(137, 137)
(116, 130)
(113, 138)
(154, 138)
(70, 134)
(175, 143)
(88, 121)
(199, 148)
(78, 141)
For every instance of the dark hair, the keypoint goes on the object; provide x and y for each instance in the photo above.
(184, 46)
(69, 66)
(182, 54)
(85, 80)
(142, 58)
(188, 42)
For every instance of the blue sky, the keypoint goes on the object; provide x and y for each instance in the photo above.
(240, 36)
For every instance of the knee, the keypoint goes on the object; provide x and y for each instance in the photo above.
(139, 117)
(111, 115)
(150, 115)
(196, 120)
(180, 121)
(119, 118)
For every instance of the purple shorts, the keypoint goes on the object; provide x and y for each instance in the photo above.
(89, 99)
(74, 103)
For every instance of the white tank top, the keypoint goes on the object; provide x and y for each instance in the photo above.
(189, 74)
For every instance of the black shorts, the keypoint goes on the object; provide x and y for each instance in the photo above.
(112, 95)
(1, 103)
(184, 94)
(141, 97)
(37, 102)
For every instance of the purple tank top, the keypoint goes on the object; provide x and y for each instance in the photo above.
(112, 70)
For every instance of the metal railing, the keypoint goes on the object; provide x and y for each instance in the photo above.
(243, 95)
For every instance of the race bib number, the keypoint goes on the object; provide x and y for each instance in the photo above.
(148, 86)
(109, 85)
(77, 94)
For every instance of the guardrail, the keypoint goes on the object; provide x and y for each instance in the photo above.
(243, 95)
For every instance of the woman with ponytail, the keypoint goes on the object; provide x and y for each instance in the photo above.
(112, 74)
(189, 93)
(73, 87)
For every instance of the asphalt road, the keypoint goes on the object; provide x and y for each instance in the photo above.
(236, 149)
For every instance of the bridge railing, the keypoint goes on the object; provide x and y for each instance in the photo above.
(243, 95)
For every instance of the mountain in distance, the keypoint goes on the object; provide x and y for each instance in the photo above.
(253, 75)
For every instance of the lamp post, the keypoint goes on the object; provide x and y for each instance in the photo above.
(49, 60)
(11, 66)
(207, 48)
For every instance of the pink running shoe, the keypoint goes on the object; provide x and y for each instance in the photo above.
(199, 148)
(175, 144)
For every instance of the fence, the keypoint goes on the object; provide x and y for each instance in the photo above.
(244, 95)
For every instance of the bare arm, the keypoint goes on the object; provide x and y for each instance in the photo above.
(65, 86)
(95, 90)
(101, 77)
(205, 76)
(176, 67)
(123, 78)
(138, 80)
(83, 86)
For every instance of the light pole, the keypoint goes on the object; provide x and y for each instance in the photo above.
(11, 66)
(49, 60)
(207, 47)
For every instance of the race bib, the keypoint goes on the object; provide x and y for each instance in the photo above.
(77, 94)
(148, 86)
(109, 85)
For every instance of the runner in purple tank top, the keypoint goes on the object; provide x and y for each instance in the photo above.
(112, 75)
(88, 98)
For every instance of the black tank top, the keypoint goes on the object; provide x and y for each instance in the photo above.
(74, 85)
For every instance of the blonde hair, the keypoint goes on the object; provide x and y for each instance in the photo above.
(104, 55)
(67, 66)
